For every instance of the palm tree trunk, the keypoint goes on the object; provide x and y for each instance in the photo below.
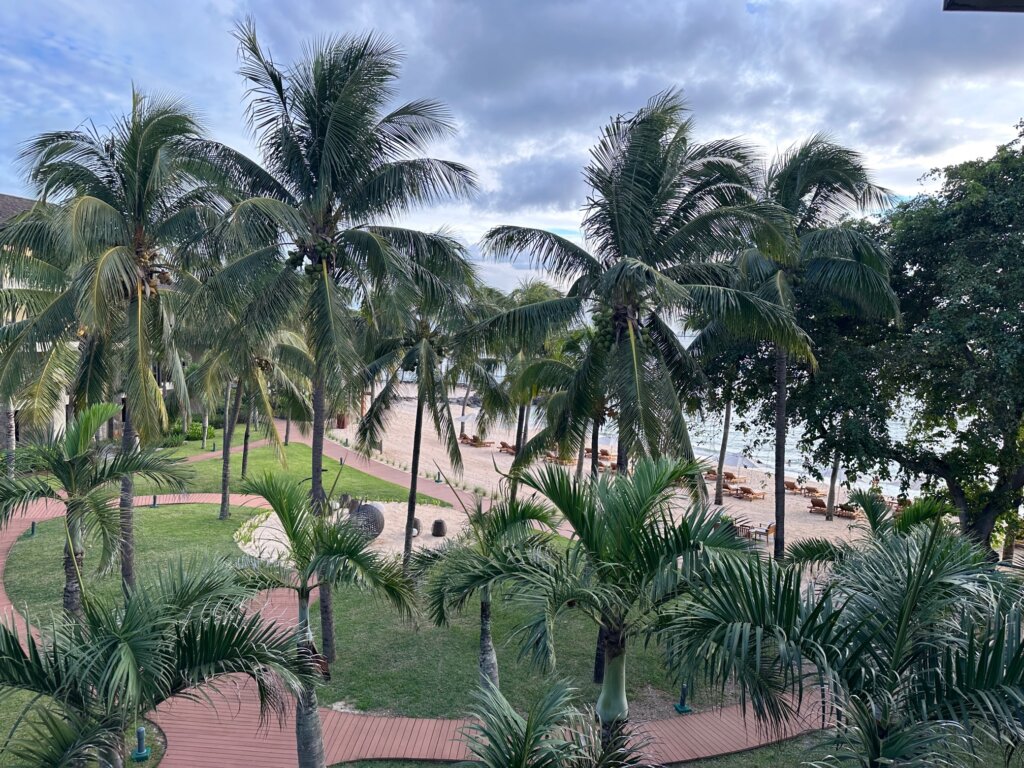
(722, 452)
(1011, 538)
(309, 740)
(599, 656)
(245, 445)
(526, 421)
(780, 453)
(73, 557)
(520, 444)
(622, 456)
(488, 658)
(206, 425)
(230, 419)
(287, 430)
(126, 511)
(417, 438)
(10, 439)
(831, 504)
(319, 498)
(595, 449)
(582, 456)
(110, 429)
(612, 707)
(462, 416)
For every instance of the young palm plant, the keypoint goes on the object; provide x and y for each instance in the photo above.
(127, 211)
(72, 469)
(910, 638)
(338, 157)
(315, 550)
(635, 550)
(511, 524)
(665, 215)
(552, 734)
(92, 679)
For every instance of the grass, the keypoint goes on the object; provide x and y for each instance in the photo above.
(298, 456)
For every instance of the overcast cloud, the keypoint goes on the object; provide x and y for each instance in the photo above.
(530, 82)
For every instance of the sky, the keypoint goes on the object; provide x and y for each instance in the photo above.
(530, 82)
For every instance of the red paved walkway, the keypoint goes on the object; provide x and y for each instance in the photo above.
(225, 732)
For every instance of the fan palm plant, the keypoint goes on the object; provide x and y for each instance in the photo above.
(487, 534)
(911, 637)
(92, 679)
(72, 469)
(818, 183)
(664, 215)
(128, 208)
(337, 159)
(315, 550)
(633, 552)
(552, 734)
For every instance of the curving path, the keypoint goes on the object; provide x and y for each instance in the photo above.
(223, 729)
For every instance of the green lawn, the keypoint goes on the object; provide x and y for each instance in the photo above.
(298, 456)
(195, 447)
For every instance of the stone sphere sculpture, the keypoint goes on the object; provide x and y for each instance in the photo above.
(369, 518)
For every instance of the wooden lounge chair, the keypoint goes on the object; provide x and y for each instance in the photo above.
(465, 439)
(729, 490)
(848, 507)
(818, 506)
(733, 478)
(763, 530)
(846, 510)
(792, 487)
(506, 448)
(810, 490)
(711, 475)
(749, 494)
(476, 442)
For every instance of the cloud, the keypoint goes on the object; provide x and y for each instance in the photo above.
(531, 82)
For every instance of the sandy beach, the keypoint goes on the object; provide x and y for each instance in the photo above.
(482, 467)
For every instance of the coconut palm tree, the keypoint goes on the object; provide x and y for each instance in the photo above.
(664, 216)
(634, 551)
(315, 550)
(127, 208)
(72, 469)
(915, 637)
(338, 158)
(91, 680)
(818, 183)
(424, 338)
(552, 734)
(487, 534)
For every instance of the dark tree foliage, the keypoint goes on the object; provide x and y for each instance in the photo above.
(959, 358)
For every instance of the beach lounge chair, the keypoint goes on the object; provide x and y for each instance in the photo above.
(465, 439)
(792, 487)
(711, 475)
(848, 507)
(749, 494)
(504, 447)
(733, 478)
(818, 506)
(810, 490)
(763, 530)
(846, 510)
(729, 490)
(476, 442)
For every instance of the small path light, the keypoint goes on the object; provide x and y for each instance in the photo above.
(33, 533)
(141, 752)
(681, 707)
(153, 505)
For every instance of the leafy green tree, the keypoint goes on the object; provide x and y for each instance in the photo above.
(72, 469)
(664, 214)
(337, 159)
(92, 679)
(552, 734)
(487, 535)
(958, 359)
(818, 183)
(317, 550)
(128, 210)
(630, 557)
(910, 637)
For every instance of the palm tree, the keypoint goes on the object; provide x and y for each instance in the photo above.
(552, 734)
(74, 470)
(664, 213)
(337, 159)
(913, 635)
(315, 550)
(127, 211)
(818, 183)
(423, 338)
(631, 555)
(487, 534)
(90, 680)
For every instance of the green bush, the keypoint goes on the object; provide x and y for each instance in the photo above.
(172, 440)
(195, 431)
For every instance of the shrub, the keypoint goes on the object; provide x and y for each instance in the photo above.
(172, 440)
(195, 431)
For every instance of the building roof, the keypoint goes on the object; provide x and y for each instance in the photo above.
(983, 5)
(11, 206)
